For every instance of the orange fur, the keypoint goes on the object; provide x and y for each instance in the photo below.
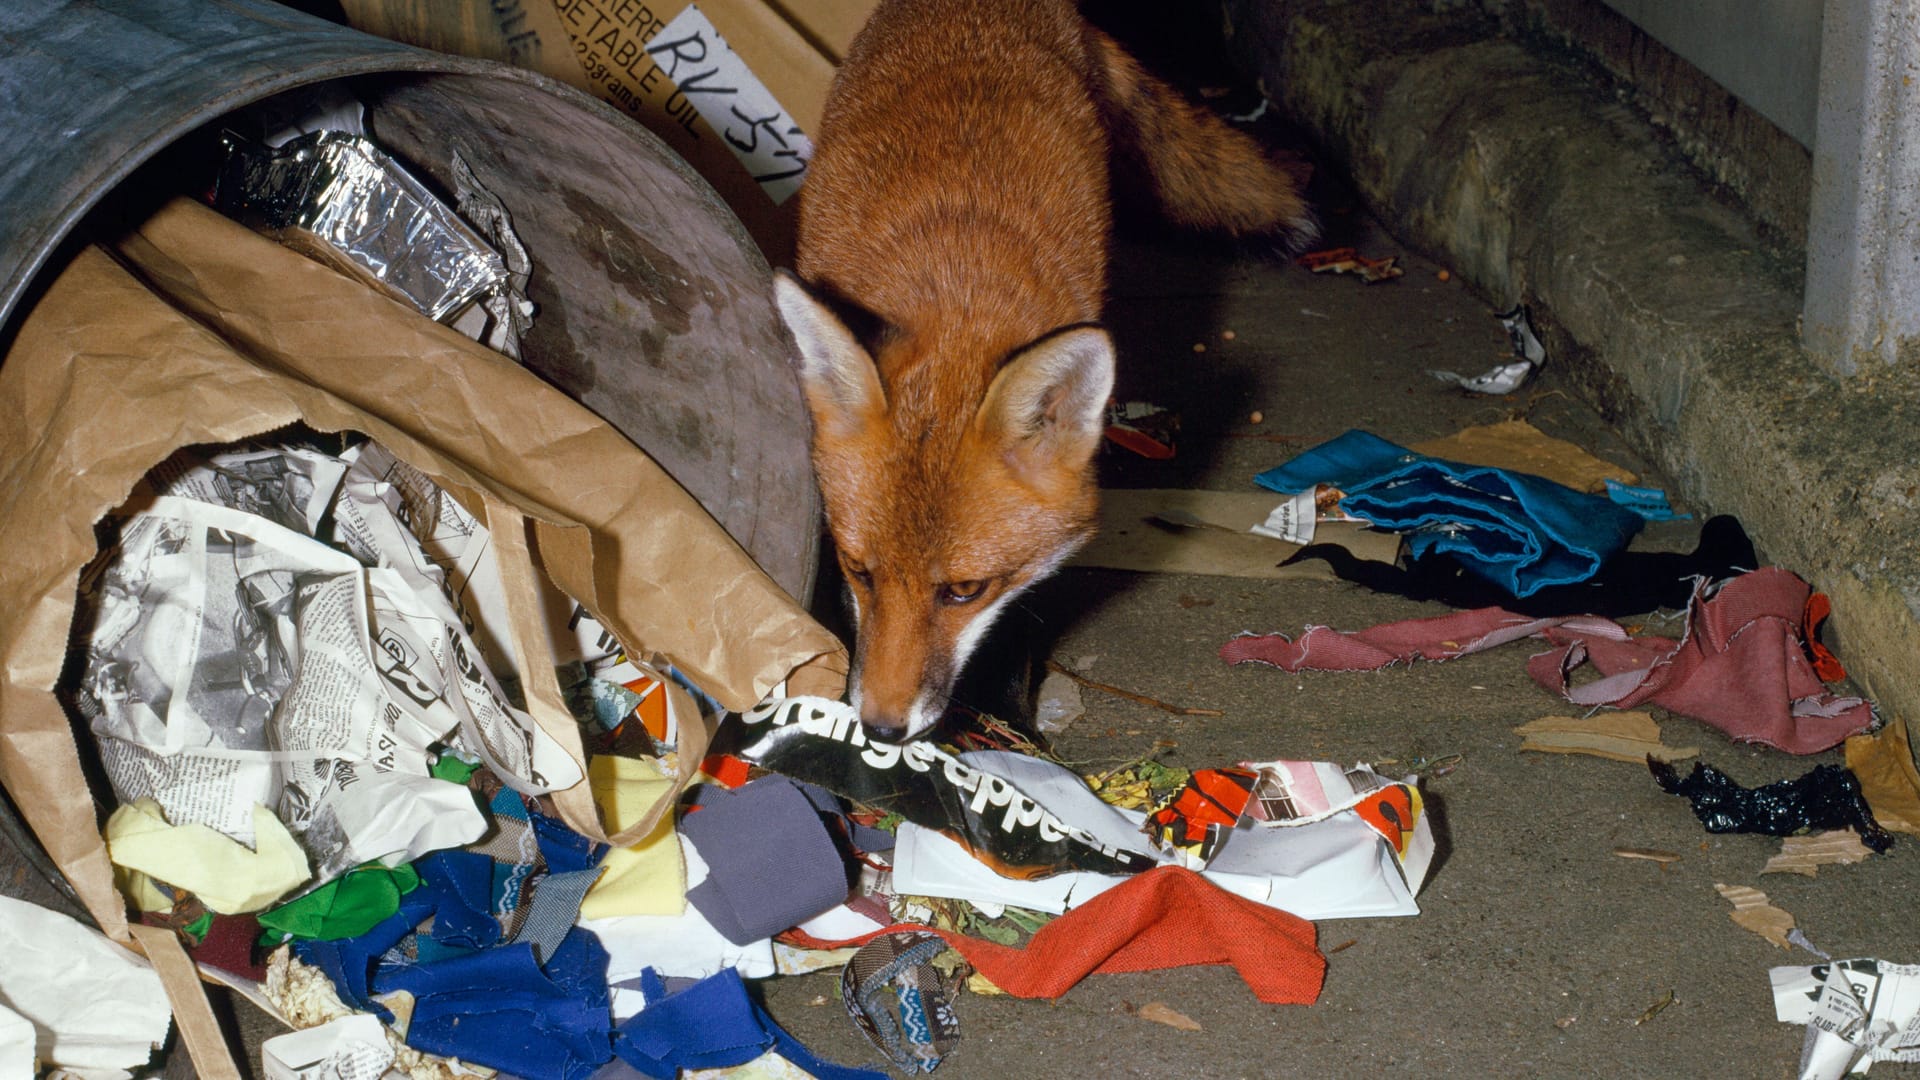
(953, 248)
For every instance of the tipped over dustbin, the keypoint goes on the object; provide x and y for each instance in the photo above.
(652, 305)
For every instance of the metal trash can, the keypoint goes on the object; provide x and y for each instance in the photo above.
(652, 302)
(653, 307)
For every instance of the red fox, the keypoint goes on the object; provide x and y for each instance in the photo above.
(952, 261)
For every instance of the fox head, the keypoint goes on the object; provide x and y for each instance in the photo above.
(952, 482)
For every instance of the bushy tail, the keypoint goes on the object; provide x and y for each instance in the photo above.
(1205, 173)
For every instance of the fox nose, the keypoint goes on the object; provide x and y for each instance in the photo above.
(884, 729)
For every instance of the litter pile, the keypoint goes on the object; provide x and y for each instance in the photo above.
(327, 791)
(1527, 556)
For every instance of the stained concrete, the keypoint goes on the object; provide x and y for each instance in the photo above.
(1538, 950)
(1670, 312)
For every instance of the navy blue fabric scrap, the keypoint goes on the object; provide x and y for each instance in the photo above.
(712, 1024)
(564, 849)
(1519, 531)
(771, 864)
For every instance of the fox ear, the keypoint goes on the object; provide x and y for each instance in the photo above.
(1050, 400)
(841, 383)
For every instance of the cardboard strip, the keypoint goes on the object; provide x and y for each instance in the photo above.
(199, 1031)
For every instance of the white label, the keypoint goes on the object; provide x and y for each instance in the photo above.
(1292, 520)
(734, 102)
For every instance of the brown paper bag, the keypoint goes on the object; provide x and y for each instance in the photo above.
(209, 333)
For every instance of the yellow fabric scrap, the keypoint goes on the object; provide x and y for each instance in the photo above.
(646, 878)
(226, 876)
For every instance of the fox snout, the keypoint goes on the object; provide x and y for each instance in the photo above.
(913, 636)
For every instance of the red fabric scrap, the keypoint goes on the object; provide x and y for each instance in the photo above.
(1166, 917)
(1825, 664)
(728, 771)
(1742, 665)
(1161, 918)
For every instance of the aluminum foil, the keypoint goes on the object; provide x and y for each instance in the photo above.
(343, 191)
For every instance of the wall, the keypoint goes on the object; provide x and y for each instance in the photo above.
(1767, 52)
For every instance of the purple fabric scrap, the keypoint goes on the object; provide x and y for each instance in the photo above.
(771, 862)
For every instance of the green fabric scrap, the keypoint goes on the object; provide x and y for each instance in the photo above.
(452, 769)
(197, 929)
(345, 907)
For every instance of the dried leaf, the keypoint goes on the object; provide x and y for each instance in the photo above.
(1884, 765)
(1623, 736)
(1752, 911)
(1162, 1013)
(980, 984)
(1806, 854)
(1655, 1009)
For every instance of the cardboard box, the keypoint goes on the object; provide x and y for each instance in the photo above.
(734, 86)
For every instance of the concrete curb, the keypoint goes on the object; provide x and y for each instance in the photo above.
(1536, 185)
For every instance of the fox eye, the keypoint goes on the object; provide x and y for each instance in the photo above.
(962, 592)
(857, 571)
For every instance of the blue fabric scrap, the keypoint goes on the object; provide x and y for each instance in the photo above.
(564, 849)
(710, 1025)
(1649, 503)
(507, 803)
(349, 961)
(501, 1008)
(1519, 531)
(462, 884)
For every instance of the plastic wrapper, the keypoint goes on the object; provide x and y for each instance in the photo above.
(338, 197)
(1825, 797)
(821, 742)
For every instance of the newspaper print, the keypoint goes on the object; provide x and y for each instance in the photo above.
(234, 659)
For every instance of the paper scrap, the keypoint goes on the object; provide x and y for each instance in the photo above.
(1806, 854)
(1059, 703)
(1506, 378)
(1664, 858)
(16, 1044)
(1346, 260)
(93, 1004)
(1624, 736)
(1520, 447)
(350, 1047)
(1883, 763)
(1857, 1012)
(1177, 531)
(1161, 1013)
(1752, 911)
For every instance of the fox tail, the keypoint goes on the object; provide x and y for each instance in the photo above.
(1205, 173)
